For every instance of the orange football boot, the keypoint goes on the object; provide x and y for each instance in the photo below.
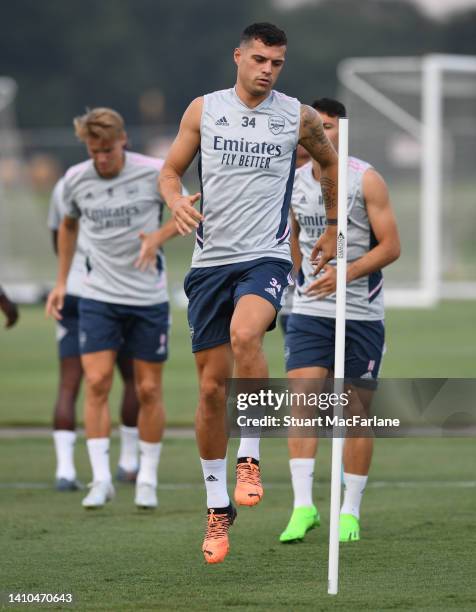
(248, 490)
(215, 545)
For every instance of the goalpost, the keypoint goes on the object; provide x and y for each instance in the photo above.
(415, 120)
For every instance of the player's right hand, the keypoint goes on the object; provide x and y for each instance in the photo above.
(325, 249)
(9, 309)
(185, 216)
(55, 302)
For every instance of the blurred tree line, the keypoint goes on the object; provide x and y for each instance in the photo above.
(69, 54)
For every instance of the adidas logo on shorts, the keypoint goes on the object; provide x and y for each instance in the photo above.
(162, 350)
(61, 332)
(272, 291)
(222, 121)
(367, 375)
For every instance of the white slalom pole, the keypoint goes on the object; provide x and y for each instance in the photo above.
(338, 442)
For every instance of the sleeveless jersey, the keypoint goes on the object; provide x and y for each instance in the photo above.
(112, 213)
(365, 294)
(56, 213)
(246, 168)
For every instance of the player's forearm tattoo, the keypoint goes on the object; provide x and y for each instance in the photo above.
(314, 136)
(329, 193)
(314, 139)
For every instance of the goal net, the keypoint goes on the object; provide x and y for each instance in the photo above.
(414, 119)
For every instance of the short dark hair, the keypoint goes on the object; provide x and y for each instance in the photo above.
(331, 107)
(267, 33)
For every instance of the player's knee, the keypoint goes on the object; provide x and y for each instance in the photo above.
(99, 384)
(148, 392)
(245, 341)
(212, 393)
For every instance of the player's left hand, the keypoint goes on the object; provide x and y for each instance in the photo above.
(325, 248)
(10, 311)
(325, 285)
(147, 259)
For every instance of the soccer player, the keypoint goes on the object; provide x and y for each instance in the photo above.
(372, 244)
(124, 302)
(9, 309)
(246, 137)
(71, 372)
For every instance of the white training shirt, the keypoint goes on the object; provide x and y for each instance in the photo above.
(365, 294)
(112, 213)
(246, 167)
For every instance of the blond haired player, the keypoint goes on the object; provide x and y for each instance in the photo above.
(112, 199)
(71, 372)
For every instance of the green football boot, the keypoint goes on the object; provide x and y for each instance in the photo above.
(302, 520)
(349, 528)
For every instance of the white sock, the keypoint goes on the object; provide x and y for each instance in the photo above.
(249, 447)
(98, 450)
(214, 474)
(129, 457)
(64, 446)
(354, 486)
(302, 474)
(149, 462)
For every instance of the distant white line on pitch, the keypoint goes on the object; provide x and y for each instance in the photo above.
(377, 484)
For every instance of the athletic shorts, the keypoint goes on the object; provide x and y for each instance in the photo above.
(141, 332)
(310, 342)
(67, 330)
(214, 292)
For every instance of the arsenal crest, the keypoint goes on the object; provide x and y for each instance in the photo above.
(276, 124)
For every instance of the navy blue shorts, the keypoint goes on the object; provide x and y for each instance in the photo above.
(213, 293)
(67, 330)
(140, 332)
(310, 342)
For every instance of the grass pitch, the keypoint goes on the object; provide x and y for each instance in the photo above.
(417, 551)
(420, 343)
